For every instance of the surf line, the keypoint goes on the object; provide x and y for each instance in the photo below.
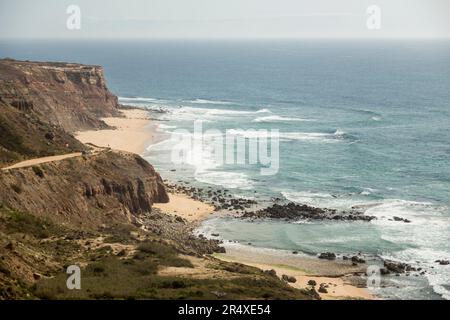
(229, 148)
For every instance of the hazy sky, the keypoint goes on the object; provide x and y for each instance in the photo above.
(225, 19)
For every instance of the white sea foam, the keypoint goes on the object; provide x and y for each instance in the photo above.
(310, 136)
(286, 136)
(425, 256)
(164, 145)
(280, 119)
(425, 237)
(206, 101)
(136, 99)
(163, 126)
(225, 179)
(189, 113)
(318, 199)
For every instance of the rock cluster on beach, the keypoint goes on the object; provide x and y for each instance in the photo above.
(220, 199)
(327, 256)
(223, 201)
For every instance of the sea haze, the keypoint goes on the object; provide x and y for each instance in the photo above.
(362, 124)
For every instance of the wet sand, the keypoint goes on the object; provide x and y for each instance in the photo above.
(337, 276)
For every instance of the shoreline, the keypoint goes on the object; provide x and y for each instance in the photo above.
(182, 205)
(340, 279)
(135, 132)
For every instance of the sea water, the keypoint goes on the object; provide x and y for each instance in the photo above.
(362, 125)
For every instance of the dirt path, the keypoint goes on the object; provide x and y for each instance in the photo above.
(33, 162)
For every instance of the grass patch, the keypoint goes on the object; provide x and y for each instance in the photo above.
(120, 233)
(164, 254)
(113, 278)
(18, 222)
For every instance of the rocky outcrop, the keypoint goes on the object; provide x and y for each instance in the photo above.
(68, 95)
(294, 211)
(40, 104)
(327, 256)
(397, 267)
(86, 191)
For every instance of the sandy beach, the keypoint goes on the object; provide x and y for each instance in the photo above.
(134, 132)
(185, 207)
(335, 275)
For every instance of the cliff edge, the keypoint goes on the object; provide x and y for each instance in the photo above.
(41, 103)
(93, 207)
(71, 96)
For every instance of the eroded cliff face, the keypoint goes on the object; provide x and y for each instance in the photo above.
(24, 135)
(71, 96)
(40, 104)
(86, 192)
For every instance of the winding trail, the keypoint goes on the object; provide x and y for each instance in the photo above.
(36, 161)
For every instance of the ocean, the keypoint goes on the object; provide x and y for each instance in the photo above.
(361, 124)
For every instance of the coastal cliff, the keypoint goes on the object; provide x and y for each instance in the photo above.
(91, 206)
(87, 191)
(41, 104)
(71, 96)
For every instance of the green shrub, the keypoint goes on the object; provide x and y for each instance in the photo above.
(26, 223)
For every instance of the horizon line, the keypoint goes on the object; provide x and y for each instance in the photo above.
(216, 38)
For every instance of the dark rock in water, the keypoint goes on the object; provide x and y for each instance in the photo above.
(294, 211)
(397, 267)
(344, 258)
(401, 219)
(288, 278)
(294, 252)
(312, 283)
(215, 234)
(327, 255)
(271, 272)
(358, 259)
(443, 262)
(384, 271)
